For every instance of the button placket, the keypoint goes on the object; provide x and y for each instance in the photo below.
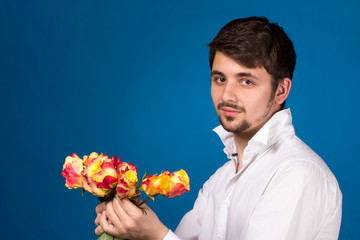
(224, 209)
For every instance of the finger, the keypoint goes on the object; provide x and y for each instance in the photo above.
(129, 208)
(125, 224)
(100, 207)
(106, 225)
(97, 219)
(115, 219)
(119, 210)
(99, 230)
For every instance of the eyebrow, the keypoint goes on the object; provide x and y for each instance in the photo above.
(241, 74)
(245, 74)
(216, 73)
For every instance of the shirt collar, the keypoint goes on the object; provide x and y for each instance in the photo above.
(279, 125)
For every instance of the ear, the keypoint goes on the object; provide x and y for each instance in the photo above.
(282, 90)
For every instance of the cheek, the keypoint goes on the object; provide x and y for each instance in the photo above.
(262, 102)
(255, 103)
(248, 99)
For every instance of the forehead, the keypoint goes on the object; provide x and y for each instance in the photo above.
(229, 67)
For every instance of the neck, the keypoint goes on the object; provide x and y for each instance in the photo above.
(241, 142)
(242, 139)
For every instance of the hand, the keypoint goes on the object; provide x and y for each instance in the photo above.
(123, 219)
(100, 209)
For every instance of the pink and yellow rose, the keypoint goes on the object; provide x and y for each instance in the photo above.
(72, 169)
(100, 175)
(167, 184)
(127, 180)
(103, 176)
(179, 183)
(153, 185)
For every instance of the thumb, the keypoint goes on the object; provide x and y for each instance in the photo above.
(100, 207)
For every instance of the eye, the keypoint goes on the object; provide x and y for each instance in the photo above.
(219, 79)
(247, 82)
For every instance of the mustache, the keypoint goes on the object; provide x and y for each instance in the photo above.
(234, 106)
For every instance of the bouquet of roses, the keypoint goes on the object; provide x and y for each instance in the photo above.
(109, 177)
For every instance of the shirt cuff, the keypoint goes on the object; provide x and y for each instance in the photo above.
(171, 236)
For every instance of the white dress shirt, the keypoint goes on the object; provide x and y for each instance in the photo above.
(284, 191)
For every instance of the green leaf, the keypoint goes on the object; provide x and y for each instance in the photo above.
(105, 236)
(144, 176)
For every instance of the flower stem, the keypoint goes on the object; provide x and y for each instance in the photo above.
(148, 199)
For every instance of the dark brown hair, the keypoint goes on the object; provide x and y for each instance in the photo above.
(255, 42)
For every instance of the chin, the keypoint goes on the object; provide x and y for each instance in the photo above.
(231, 125)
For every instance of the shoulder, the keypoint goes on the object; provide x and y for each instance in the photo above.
(299, 158)
(309, 182)
(295, 164)
(304, 172)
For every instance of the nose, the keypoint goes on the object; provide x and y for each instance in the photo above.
(229, 93)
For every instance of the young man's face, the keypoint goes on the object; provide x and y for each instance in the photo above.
(243, 97)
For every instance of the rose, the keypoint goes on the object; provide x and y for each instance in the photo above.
(167, 184)
(100, 174)
(179, 183)
(127, 180)
(153, 185)
(72, 169)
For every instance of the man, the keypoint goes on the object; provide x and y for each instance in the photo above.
(274, 186)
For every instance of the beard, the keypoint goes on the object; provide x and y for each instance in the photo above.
(239, 128)
(244, 124)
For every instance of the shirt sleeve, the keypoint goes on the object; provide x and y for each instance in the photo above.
(171, 236)
(297, 204)
(190, 225)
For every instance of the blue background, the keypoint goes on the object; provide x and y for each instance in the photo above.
(132, 79)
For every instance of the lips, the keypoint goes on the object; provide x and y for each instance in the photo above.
(230, 112)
